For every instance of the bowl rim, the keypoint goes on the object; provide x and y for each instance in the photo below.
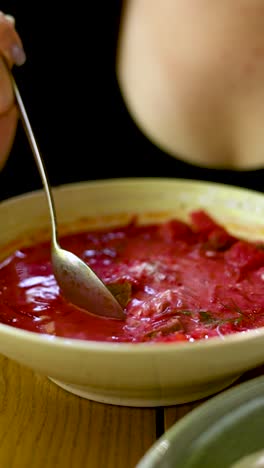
(102, 346)
(132, 180)
(126, 348)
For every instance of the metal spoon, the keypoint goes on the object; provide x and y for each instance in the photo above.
(78, 282)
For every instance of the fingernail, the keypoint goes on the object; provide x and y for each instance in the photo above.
(18, 55)
(10, 18)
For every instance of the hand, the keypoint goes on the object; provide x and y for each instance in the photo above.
(11, 46)
(11, 49)
(11, 53)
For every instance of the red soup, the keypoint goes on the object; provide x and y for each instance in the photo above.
(179, 282)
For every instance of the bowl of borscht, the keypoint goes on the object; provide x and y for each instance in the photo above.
(185, 259)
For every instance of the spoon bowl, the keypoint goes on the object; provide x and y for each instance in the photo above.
(78, 282)
(81, 286)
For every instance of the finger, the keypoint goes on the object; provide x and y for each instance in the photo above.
(11, 46)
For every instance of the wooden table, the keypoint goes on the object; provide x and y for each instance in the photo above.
(42, 426)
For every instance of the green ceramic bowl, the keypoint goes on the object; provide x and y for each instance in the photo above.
(221, 432)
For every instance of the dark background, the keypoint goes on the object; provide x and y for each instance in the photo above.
(81, 124)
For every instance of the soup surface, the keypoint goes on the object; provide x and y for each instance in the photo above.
(177, 282)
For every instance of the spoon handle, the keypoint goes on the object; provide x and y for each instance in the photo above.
(38, 159)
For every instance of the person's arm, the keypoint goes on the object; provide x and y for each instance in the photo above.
(191, 74)
(11, 52)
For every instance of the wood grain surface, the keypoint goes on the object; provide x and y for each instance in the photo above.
(43, 426)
